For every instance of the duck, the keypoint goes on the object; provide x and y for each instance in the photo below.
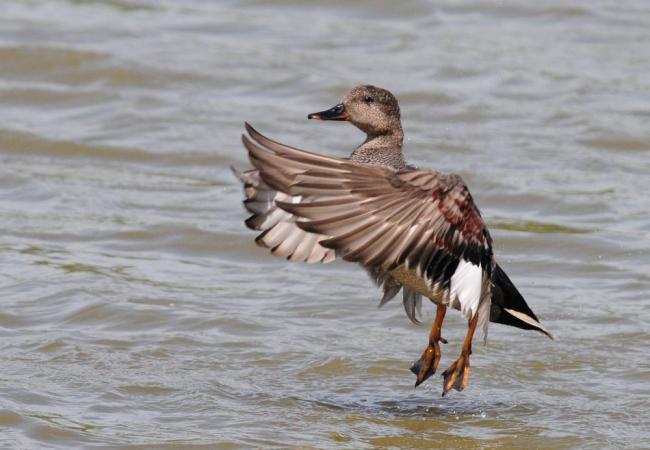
(413, 230)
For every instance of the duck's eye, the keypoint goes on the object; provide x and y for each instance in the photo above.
(368, 99)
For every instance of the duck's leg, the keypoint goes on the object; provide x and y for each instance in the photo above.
(457, 374)
(428, 362)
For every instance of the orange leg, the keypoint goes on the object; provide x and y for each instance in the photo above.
(428, 362)
(457, 374)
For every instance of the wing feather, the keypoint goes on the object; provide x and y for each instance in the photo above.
(279, 230)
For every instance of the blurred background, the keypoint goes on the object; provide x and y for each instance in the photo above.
(136, 311)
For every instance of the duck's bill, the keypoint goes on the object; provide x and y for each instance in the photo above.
(338, 112)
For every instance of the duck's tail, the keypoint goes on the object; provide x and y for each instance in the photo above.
(509, 307)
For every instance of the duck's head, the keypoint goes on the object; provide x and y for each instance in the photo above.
(373, 110)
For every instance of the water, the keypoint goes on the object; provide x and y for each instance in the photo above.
(137, 311)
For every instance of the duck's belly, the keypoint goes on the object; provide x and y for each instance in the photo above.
(409, 278)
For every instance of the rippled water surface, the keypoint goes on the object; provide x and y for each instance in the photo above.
(136, 310)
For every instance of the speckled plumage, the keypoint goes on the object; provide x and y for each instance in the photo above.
(380, 120)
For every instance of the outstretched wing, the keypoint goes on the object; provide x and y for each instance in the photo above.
(285, 238)
(280, 233)
(420, 220)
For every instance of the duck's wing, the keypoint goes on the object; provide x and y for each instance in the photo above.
(423, 220)
(284, 238)
(280, 233)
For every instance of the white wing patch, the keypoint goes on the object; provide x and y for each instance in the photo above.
(466, 286)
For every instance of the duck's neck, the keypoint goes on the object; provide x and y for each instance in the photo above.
(384, 149)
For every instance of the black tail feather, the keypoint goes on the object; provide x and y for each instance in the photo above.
(509, 307)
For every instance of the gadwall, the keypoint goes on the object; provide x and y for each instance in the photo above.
(413, 230)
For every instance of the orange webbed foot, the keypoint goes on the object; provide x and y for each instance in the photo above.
(428, 362)
(456, 375)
